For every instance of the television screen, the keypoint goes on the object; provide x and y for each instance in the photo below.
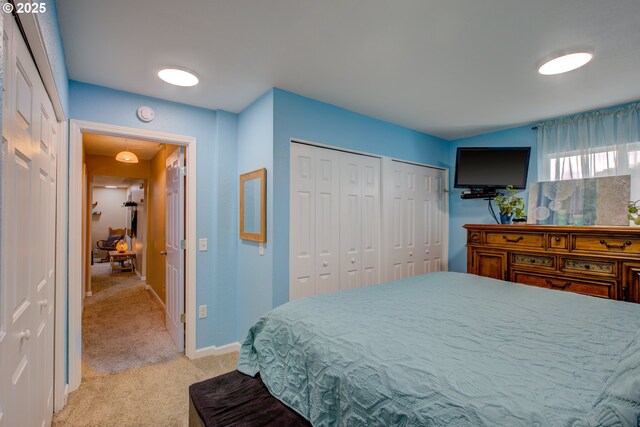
(492, 167)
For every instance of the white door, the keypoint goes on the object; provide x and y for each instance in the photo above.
(416, 220)
(350, 221)
(334, 221)
(28, 241)
(360, 220)
(174, 276)
(302, 226)
(327, 221)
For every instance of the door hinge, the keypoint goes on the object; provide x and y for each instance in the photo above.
(183, 244)
(183, 318)
(183, 170)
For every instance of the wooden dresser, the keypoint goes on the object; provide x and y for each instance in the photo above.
(598, 261)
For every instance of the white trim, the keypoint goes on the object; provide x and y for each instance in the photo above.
(88, 294)
(75, 250)
(31, 26)
(362, 153)
(157, 297)
(142, 278)
(217, 351)
(60, 386)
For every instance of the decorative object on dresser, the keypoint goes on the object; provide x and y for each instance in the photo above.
(590, 201)
(597, 261)
(634, 213)
(509, 205)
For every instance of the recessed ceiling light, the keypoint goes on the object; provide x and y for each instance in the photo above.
(565, 62)
(178, 76)
(110, 186)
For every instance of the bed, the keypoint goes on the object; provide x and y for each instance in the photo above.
(451, 349)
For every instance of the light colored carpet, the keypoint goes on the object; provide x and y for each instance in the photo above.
(152, 395)
(123, 325)
(132, 373)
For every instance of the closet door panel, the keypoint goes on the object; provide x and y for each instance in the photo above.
(370, 221)
(303, 222)
(350, 221)
(395, 224)
(327, 230)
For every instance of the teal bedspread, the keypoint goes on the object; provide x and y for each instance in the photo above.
(451, 349)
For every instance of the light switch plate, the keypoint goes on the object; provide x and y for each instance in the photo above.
(202, 312)
(261, 248)
(202, 244)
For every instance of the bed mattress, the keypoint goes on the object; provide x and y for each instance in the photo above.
(451, 349)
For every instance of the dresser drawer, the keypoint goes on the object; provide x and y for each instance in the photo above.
(588, 266)
(599, 289)
(515, 239)
(535, 261)
(601, 244)
(558, 241)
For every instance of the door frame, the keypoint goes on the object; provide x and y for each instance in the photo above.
(75, 291)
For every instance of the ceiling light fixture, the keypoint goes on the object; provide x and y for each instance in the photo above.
(565, 62)
(126, 156)
(110, 186)
(178, 76)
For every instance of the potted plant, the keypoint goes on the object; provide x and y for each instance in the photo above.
(634, 212)
(509, 205)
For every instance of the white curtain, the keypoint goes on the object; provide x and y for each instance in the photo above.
(601, 143)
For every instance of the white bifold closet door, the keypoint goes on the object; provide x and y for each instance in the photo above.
(415, 220)
(30, 138)
(334, 221)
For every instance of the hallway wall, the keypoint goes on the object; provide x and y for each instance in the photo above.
(113, 215)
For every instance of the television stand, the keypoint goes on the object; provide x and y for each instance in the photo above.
(479, 193)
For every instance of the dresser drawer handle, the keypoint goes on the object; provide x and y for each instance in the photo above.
(557, 239)
(512, 240)
(558, 285)
(611, 246)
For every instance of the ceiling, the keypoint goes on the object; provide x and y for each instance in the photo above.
(450, 68)
(101, 181)
(105, 145)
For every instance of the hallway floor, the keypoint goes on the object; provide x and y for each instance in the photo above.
(132, 373)
(123, 324)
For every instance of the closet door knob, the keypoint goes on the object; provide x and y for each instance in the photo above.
(410, 253)
(25, 335)
(44, 303)
(426, 252)
(325, 263)
(353, 260)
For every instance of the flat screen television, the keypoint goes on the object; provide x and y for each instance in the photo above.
(486, 169)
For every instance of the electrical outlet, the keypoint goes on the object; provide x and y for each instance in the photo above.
(202, 312)
(202, 244)
(261, 248)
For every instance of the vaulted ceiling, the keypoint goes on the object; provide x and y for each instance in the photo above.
(449, 68)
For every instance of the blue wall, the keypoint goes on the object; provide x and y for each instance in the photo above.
(307, 119)
(475, 211)
(52, 38)
(255, 151)
(216, 137)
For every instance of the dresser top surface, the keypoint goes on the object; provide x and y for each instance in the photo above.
(556, 228)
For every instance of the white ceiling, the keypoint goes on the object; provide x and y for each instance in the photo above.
(105, 145)
(450, 68)
(101, 181)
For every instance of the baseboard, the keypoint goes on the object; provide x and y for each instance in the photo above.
(143, 278)
(217, 350)
(66, 394)
(88, 294)
(153, 292)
